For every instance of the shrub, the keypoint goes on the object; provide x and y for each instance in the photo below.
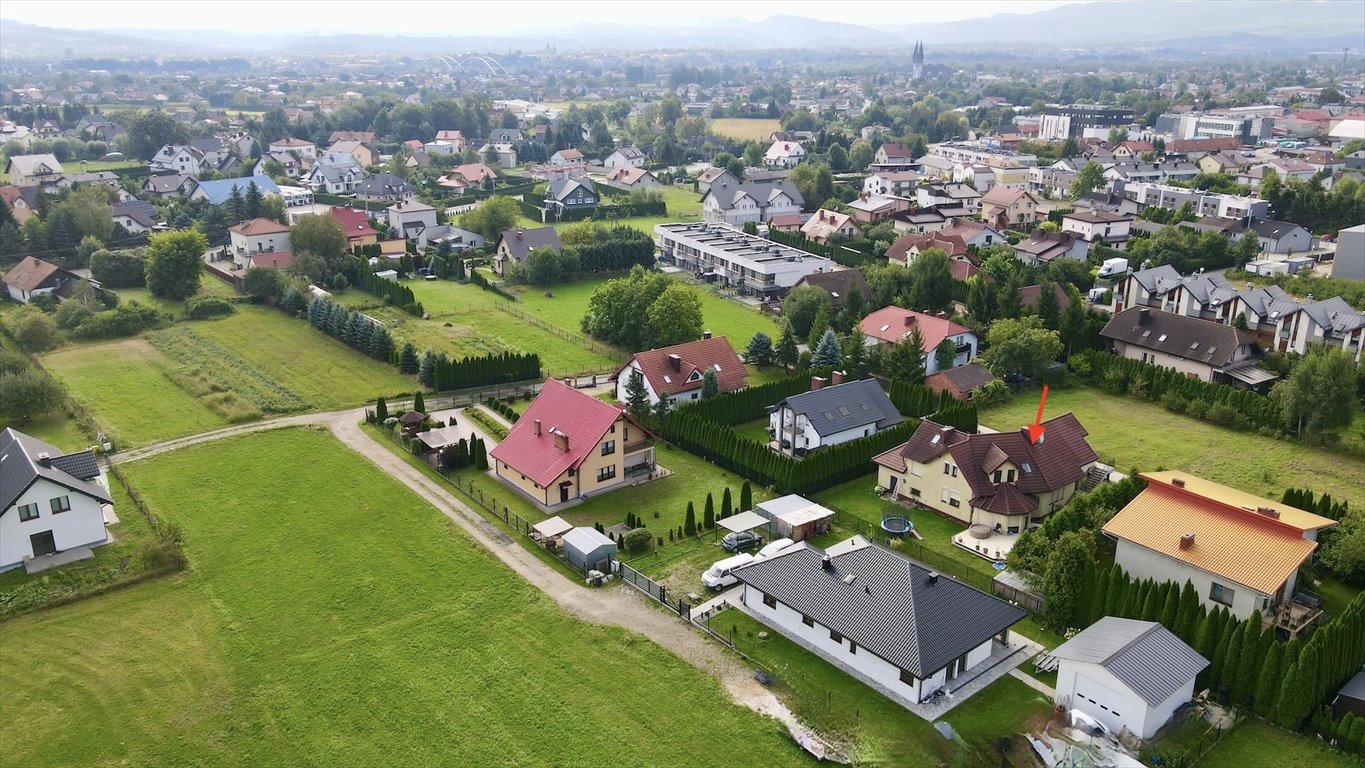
(1173, 401)
(638, 539)
(34, 330)
(205, 307)
(119, 269)
(126, 320)
(72, 313)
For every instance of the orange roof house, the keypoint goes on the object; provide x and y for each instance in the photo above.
(1239, 550)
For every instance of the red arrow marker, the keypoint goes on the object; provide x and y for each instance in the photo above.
(1036, 429)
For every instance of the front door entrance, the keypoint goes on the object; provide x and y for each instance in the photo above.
(43, 544)
(563, 492)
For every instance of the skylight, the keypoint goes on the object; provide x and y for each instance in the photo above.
(1162, 337)
(1194, 345)
(886, 328)
(935, 439)
(1028, 468)
(668, 379)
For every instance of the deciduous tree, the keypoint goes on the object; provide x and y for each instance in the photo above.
(175, 262)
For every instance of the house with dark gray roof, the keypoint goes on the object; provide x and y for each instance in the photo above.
(385, 187)
(829, 415)
(1129, 675)
(1204, 349)
(564, 195)
(515, 245)
(50, 502)
(737, 204)
(889, 621)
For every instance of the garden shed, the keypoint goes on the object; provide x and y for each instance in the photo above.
(796, 517)
(588, 549)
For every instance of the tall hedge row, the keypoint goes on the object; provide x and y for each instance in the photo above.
(483, 371)
(391, 291)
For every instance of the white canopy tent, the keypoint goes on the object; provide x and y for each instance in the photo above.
(554, 526)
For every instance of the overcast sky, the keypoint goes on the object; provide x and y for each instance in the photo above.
(478, 18)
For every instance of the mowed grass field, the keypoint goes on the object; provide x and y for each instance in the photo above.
(1128, 433)
(366, 630)
(1258, 744)
(745, 128)
(569, 302)
(131, 386)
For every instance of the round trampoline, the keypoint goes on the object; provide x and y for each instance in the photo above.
(897, 526)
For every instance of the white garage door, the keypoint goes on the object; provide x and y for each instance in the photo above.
(1100, 702)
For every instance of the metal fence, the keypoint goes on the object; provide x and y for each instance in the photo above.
(652, 588)
(611, 353)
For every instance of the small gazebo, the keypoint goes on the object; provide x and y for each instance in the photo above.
(411, 422)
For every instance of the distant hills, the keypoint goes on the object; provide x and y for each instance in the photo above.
(1272, 26)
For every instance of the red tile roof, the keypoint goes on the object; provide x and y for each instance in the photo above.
(561, 410)
(962, 270)
(891, 324)
(30, 273)
(272, 260)
(259, 227)
(954, 245)
(693, 358)
(354, 224)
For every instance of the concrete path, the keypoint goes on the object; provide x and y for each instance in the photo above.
(1034, 683)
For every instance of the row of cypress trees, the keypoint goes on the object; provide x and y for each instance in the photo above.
(351, 328)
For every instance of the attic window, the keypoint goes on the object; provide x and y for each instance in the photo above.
(694, 376)
(668, 379)
(886, 328)
(935, 439)
(1145, 334)
(1028, 468)
(1194, 345)
(1162, 337)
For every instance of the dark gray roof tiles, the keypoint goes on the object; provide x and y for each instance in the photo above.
(1145, 656)
(520, 242)
(852, 404)
(889, 606)
(19, 468)
(761, 192)
(1189, 338)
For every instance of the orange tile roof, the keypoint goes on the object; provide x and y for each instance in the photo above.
(1231, 538)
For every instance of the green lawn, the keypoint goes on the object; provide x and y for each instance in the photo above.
(89, 166)
(310, 634)
(208, 286)
(756, 430)
(745, 128)
(1127, 433)
(1255, 742)
(878, 731)
(568, 303)
(127, 384)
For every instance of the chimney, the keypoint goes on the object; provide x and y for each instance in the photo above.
(675, 363)
(1187, 540)
(1144, 314)
(837, 377)
(909, 320)
(1269, 512)
(1178, 482)
(933, 577)
(45, 459)
(561, 441)
(826, 563)
(705, 335)
(520, 232)
(816, 382)
(537, 423)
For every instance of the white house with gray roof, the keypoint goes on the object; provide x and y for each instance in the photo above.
(829, 415)
(1127, 674)
(50, 502)
(736, 204)
(890, 622)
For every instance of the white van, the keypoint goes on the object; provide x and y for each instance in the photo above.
(1113, 268)
(719, 575)
(773, 548)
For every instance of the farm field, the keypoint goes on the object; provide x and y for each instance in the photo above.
(879, 731)
(234, 369)
(1127, 433)
(372, 644)
(569, 302)
(745, 128)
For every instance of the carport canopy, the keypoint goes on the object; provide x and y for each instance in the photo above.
(1252, 375)
(744, 521)
(555, 526)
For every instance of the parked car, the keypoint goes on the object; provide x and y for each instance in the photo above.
(734, 542)
(773, 547)
(721, 574)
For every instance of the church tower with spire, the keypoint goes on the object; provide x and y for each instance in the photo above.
(917, 71)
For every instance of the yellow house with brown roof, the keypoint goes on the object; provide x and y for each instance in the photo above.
(1240, 551)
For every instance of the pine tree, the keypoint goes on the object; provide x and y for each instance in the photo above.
(1151, 607)
(1254, 648)
(381, 410)
(818, 327)
(760, 350)
(1220, 649)
(690, 522)
(407, 360)
(726, 505)
(710, 387)
(1268, 681)
(708, 515)
(418, 404)
(426, 371)
(1170, 607)
(786, 353)
(746, 497)
(1187, 614)
(637, 397)
(827, 353)
(1232, 655)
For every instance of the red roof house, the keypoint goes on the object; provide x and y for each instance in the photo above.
(890, 325)
(355, 225)
(678, 371)
(568, 445)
